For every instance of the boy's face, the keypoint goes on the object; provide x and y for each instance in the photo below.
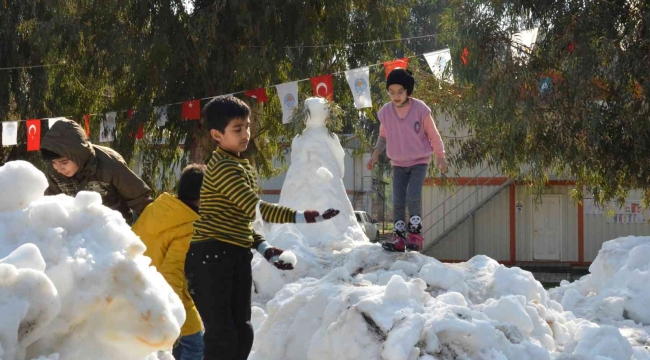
(65, 166)
(397, 94)
(235, 137)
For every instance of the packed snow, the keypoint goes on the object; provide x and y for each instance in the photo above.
(74, 284)
(315, 181)
(73, 281)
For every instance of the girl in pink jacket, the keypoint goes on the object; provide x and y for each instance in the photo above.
(409, 135)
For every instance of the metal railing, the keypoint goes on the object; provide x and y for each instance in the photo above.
(466, 216)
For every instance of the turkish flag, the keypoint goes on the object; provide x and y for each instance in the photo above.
(33, 135)
(87, 122)
(139, 135)
(396, 64)
(323, 86)
(191, 110)
(258, 94)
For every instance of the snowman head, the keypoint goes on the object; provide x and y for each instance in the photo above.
(318, 112)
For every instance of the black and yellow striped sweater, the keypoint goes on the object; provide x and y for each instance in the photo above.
(228, 201)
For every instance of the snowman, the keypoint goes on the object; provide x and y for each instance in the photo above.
(315, 180)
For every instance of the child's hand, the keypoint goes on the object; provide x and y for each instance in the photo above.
(371, 163)
(272, 255)
(312, 216)
(442, 165)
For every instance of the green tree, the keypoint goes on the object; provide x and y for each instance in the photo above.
(136, 54)
(590, 125)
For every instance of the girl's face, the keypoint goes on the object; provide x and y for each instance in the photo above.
(397, 94)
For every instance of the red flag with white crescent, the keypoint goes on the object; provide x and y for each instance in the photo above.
(402, 63)
(323, 86)
(33, 135)
(258, 94)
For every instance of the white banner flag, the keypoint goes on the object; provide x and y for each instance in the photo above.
(107, 127)
(523, 42)
(438, 62)
(160, 112)
(359, 81)
(10, 133)
(288, 94)
(51, 121)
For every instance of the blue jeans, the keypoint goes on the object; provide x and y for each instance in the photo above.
(407, 190)
(190, 347)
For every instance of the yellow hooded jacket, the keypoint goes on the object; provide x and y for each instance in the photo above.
(165, 227)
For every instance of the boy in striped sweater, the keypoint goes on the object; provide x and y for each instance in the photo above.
(218, 262)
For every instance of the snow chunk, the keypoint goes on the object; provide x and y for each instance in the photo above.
(289, 257)
(510, 309)
(440, 275)
(28, 300)
(324, 174)
(21, 183)
(605, 341)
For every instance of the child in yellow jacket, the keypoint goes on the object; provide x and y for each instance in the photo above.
(166, 228)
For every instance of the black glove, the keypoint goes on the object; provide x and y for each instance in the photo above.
(272, 255)
(312, 216)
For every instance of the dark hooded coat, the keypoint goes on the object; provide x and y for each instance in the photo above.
(101, 170)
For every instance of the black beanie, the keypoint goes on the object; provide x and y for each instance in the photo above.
(401, 77)
(189, 185)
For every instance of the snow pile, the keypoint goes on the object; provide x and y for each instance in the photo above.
(73, 281)
(379, 305)
(615, 293)
(378, 311)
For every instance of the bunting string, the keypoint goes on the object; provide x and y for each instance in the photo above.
(358, 80)
(31, 66)
(226, 94)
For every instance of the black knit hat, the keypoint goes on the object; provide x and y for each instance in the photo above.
(189, 185)
(401, 77)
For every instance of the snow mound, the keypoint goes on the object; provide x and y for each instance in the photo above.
(365, 303)
(615, 293)
(383, 313)
(73, 281)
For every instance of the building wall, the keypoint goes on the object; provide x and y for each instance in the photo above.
(487, 233)
(598, 229)
(492, 228)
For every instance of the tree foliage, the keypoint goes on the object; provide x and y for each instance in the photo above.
(591, 125)
(136, 54)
